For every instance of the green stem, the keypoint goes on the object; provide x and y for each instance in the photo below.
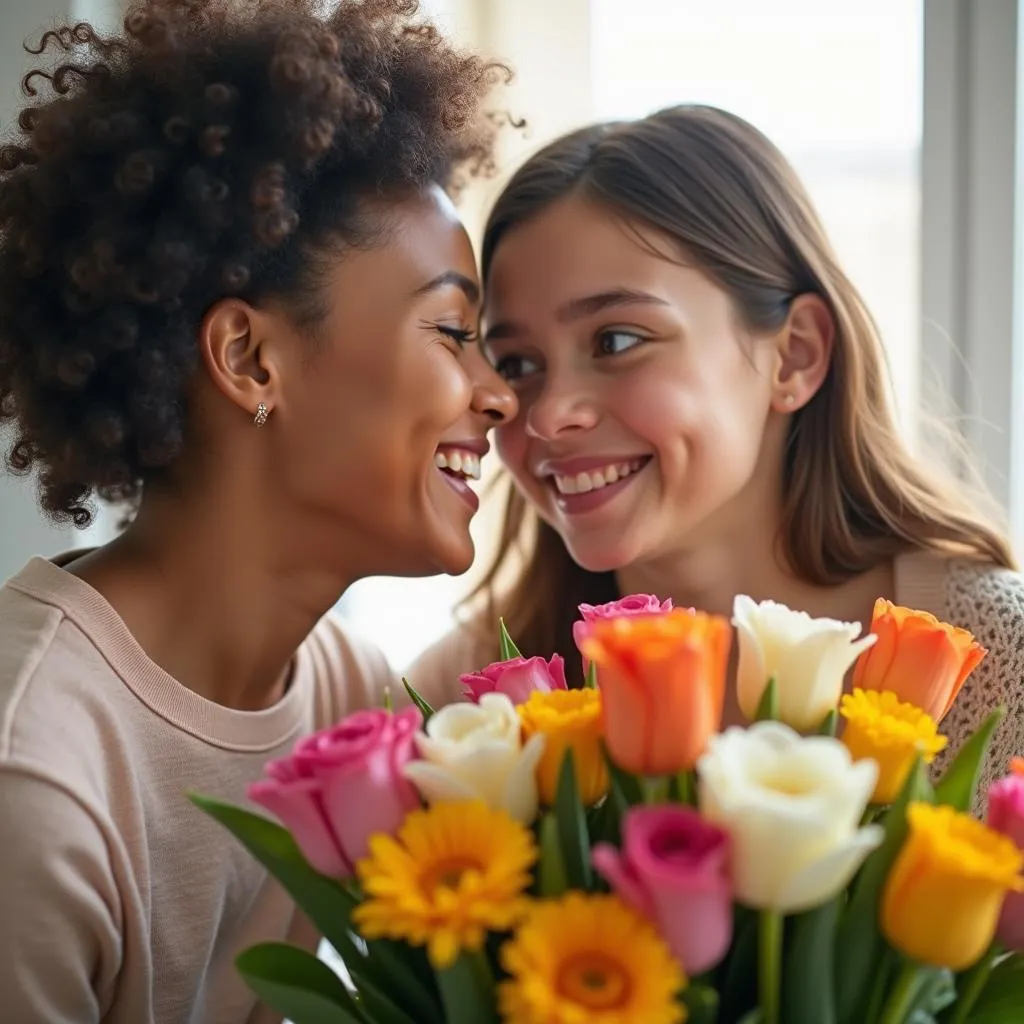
(655, 789)
(904, 994)
(769, 968)
(974, 985)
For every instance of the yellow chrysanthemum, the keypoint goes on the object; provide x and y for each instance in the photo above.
(451, 874)
(881, 726)
(569, 719)
(588, 960)
(944, 893)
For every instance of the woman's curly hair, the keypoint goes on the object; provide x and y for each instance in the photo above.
(211, 149)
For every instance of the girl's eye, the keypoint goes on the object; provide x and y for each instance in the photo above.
(611, 343)
(515, 367)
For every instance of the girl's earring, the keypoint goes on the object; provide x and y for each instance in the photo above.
(789, 401)
(262, 412)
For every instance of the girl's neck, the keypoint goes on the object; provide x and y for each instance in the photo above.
(711, 577)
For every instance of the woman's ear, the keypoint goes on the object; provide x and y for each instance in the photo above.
(239, 359)
(803, 352)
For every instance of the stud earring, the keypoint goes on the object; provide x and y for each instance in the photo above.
(262, 412)
(789, 401)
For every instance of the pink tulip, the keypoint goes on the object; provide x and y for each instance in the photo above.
(635, 604)
(673, 869)
(342, 785)
(1006, 815)
(517, 678)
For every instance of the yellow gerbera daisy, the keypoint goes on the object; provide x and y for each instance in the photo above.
(451, 874)
(586, 959)
(882, 727)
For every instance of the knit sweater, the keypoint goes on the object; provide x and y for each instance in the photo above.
(985, 600)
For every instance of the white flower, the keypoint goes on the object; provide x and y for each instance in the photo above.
(474, 751)
(808, 657)
(792, 806)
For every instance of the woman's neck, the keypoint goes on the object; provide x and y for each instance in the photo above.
(220, 601)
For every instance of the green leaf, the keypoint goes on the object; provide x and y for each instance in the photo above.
(829, 724)
(297, 985)
(808, 991)
(629, 785)
(467, 990)
(859, 938)
(768, 705)
(572, 826)
(425, 709)
(389, 704)
(755, 1016)
(701, 1002)
(591, 680)
(1002, 997)
(508, 648)
(736, 977)
(388, 970)
(551, 875)
(959, 782)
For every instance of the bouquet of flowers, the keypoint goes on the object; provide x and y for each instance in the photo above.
(608, 855)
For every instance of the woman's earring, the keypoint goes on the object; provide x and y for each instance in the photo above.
(789, 401)
(262, 412)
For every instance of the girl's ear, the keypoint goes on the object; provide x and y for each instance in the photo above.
(803, 352)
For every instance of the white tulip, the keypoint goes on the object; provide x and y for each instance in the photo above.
(475, 752)
(792, 806)
(809, 659)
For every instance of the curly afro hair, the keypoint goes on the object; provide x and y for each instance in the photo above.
(212, 149)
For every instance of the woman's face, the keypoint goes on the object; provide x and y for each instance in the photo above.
(383, 415)
(643, 408)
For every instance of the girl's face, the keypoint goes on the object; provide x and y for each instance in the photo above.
(381, 417)
(645, 425)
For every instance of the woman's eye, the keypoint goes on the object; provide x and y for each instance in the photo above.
(515, 367)
(459, 335)
(611, 343)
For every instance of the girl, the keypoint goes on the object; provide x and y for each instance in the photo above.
(234, 293)
(704, 411)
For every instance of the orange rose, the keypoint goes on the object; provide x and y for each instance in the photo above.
(662, 680)
(917, 657)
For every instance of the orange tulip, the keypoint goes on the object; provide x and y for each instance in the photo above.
(917, 657)
(662, 680)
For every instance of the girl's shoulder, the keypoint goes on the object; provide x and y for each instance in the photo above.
(987, 600)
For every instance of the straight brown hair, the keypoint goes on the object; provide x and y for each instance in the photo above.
(854, 495)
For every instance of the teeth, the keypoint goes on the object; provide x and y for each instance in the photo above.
(595, 479)
(459, 461)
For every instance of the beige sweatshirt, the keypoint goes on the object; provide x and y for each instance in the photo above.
(987, 601)
(119, 900)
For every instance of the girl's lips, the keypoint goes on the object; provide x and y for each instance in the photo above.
(589, 501)
(583, 464)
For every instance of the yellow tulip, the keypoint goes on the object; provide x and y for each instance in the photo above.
(881, 727)
(568, 719)
(943, 896)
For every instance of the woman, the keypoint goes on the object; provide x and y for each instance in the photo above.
(704, 412)
(234, 293)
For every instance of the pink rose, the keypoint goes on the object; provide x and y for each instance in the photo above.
(1006, 815)
(517, 678)
(635, 604)
(674, 870)
(342, 785)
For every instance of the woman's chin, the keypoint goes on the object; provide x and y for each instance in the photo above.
(455, 557)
